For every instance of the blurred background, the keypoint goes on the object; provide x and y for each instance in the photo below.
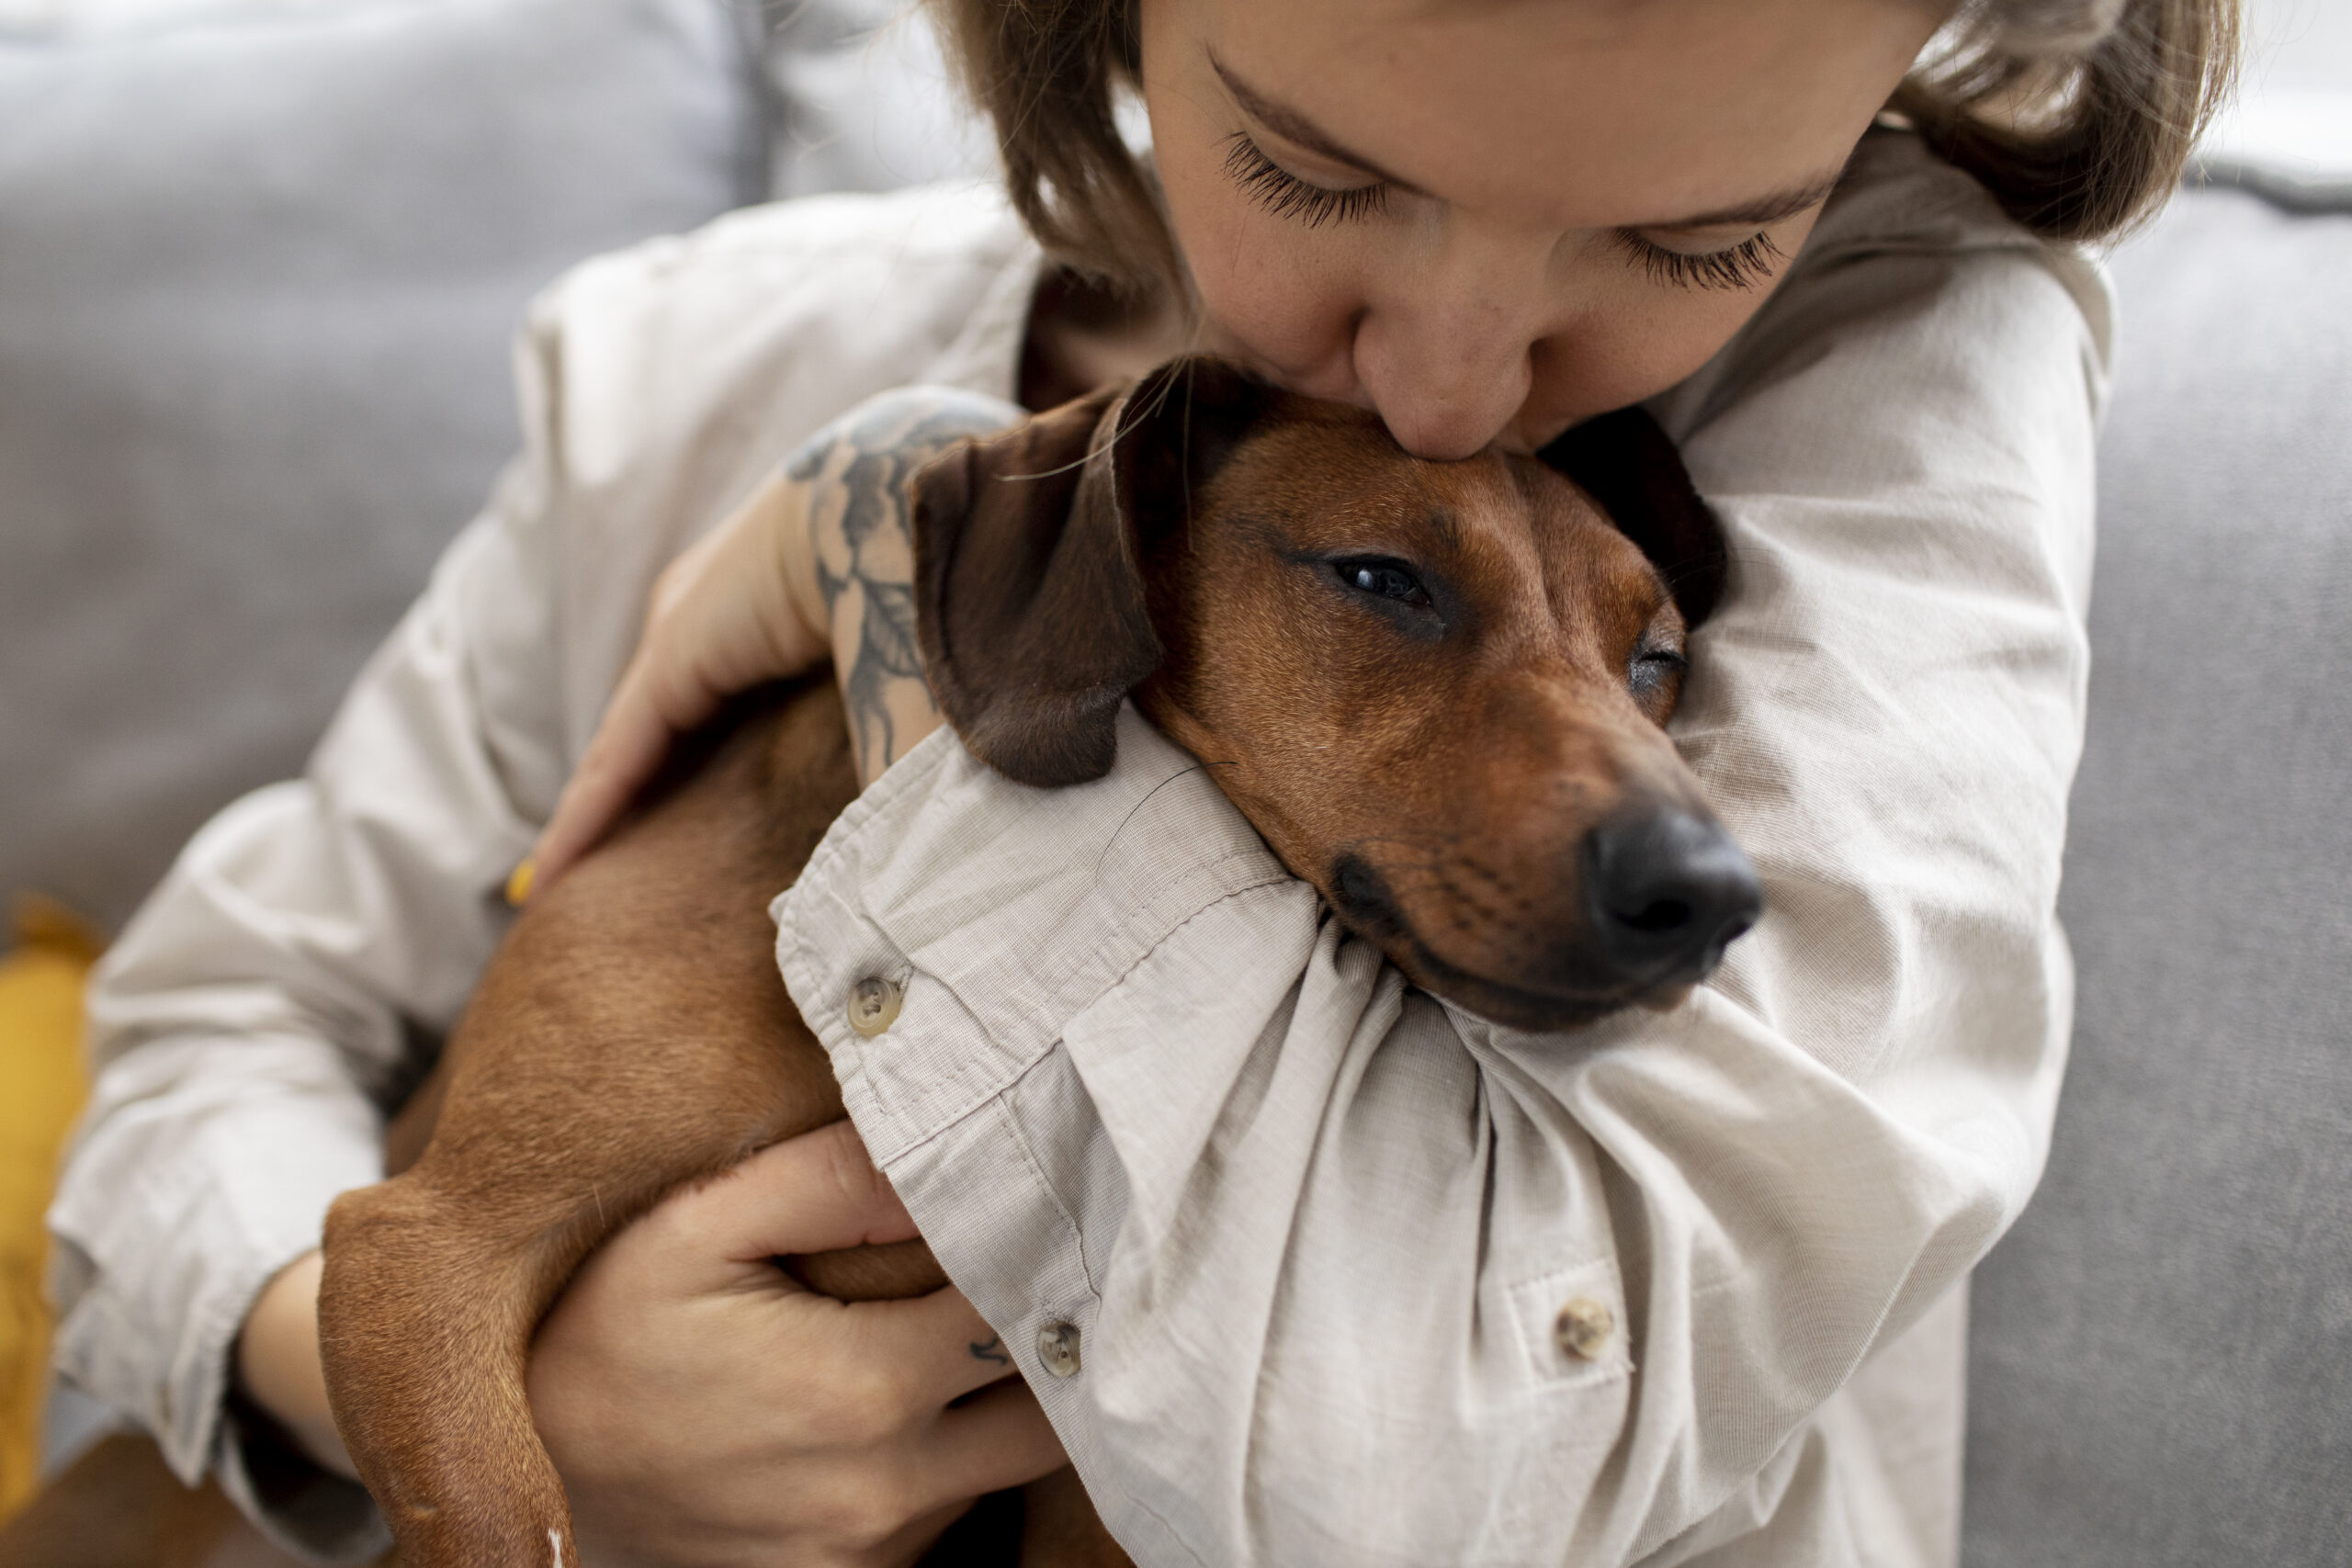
(259, 263)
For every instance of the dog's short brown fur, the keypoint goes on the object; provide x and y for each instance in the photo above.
(1434, 688)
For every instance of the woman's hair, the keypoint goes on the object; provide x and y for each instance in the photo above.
(2076, 115)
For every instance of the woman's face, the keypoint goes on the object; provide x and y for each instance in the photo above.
(1490, 219)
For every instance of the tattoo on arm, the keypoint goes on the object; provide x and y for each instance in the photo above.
(991, 1349)
(861, 469)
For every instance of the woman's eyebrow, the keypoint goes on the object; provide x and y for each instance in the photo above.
(1763, 209)
(1292, 126)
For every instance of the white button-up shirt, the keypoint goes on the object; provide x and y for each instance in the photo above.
(1307, 1267)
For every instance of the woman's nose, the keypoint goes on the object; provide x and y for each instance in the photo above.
(1445, 357)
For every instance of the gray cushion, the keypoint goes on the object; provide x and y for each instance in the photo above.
(257, 277)
(2162, 1351)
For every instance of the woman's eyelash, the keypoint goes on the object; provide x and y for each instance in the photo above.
(1745, 265)
(1284, 195)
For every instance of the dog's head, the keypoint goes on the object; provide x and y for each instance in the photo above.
(1437, 689)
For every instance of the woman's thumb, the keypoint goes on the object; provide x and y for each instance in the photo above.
(628, 749)
(813, 1193)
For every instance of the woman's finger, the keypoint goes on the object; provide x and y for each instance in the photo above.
(998, 1439)
(627, 750)
(920, 1536)
(817, 1192)
(941, 1342)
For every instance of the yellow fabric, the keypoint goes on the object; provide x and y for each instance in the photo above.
(42, 1088)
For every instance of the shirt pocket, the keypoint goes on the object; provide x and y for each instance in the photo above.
(1571, 1324)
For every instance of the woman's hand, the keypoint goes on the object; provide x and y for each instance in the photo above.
(705, 1410)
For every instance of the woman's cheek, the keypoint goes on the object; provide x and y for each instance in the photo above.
(1645, 338)
(1654, 334)
(1286, 308)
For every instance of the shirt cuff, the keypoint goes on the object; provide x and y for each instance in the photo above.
(181, 1201)
(300, 1507)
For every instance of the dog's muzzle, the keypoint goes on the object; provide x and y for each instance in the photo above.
(1667, 891)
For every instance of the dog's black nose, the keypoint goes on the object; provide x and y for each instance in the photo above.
(1667, 893)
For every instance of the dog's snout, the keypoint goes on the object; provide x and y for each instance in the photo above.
(1667, 891)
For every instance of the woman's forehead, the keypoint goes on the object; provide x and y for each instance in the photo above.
(1576, 113)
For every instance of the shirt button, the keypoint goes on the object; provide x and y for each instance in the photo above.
(1057, 1348)
(874, 1005)
(1583, 1328)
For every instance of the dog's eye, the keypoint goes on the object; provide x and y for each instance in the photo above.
(1383, 579)
(1653, 667)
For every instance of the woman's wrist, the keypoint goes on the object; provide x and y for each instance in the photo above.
(856, 528)
(845, 555)
(279, 1366)
(785, 518)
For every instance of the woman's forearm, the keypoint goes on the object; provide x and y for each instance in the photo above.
(279, 1364)
(847, 540)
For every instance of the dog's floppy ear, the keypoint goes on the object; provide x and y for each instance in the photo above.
(1029, 557)
(1627, 465)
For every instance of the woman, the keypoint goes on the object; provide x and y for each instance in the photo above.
(1485, 222)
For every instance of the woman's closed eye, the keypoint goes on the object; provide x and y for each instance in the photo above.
(1752, 261)
(1285, 195)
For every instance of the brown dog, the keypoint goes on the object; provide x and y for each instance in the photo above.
(1436, 689)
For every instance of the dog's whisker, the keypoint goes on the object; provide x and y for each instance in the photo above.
(1138, 805)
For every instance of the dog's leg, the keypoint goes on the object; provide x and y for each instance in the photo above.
(428, 1386)
(631, 1034)
(437, 1280)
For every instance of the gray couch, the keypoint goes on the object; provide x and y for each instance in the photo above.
(2161, 1351)
(259, 262)
(256, 272)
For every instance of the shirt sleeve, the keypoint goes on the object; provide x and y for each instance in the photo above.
(1308, 1268)
(288, 977)
(293, 974)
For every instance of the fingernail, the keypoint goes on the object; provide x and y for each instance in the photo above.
(518, 884)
